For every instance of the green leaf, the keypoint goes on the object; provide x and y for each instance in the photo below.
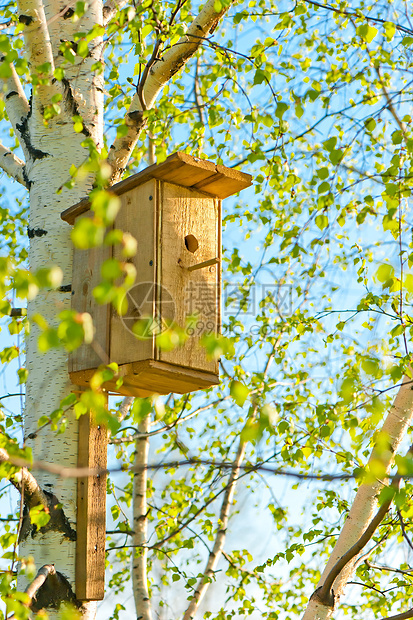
(105, 205)
(390, 30)
(408, 282)
(321, 221)
(140, 410)
(370, 124)
(384, 273)
(281, 109)
(366, 32)
(82, 49)
(39, 516)
(323, 188)
(111, 269)
(239, 392)
(87, 234)
(48, 340)
(347, 390)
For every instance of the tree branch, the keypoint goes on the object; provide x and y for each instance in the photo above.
(360, 516)
(405, 536)
(33, 587)
(38, 581)
(110, 9)
(13, 166)
(17, 106)
(325, 592)
(158, 74)
(140, 525)
(390, 105)
(368, 18)
(38, 47)
(215, 554)
(389, 568)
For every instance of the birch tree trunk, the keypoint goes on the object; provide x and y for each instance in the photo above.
(51, 149)
(140, 525)
(399, 418)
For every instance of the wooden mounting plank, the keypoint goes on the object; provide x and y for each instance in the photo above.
(181, 169)
(91, 512)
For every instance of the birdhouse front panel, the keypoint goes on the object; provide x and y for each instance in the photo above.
(190, 236)
(174, 212)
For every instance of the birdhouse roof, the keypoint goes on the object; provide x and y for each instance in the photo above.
(181, 169)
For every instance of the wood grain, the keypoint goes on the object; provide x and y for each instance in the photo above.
(91, 512)
(189, 212)
(137, 216)
(86, 275)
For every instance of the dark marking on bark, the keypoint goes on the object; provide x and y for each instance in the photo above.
(68, 14)
(35, 232)
(66, 288)
(137, 118)
(328, 601)
(12, 93)
(55, 591)
(26, 178)
(58, 521)
(72, 104)
(25, 19)
(16, 312)
(106, 11)
(23, 129)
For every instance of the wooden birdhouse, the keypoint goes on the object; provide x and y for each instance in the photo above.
(173, 210)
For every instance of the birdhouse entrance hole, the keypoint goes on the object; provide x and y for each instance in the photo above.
(191, 243)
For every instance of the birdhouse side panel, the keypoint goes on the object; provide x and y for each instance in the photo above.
(133, 333)
(189, 236)
(87, 275)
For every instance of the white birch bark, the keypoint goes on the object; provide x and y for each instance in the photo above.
(17, 106)
(140, 525)
(52, 150)
(399, 418)
(110, 9)
(38, 48)
(12, 165)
